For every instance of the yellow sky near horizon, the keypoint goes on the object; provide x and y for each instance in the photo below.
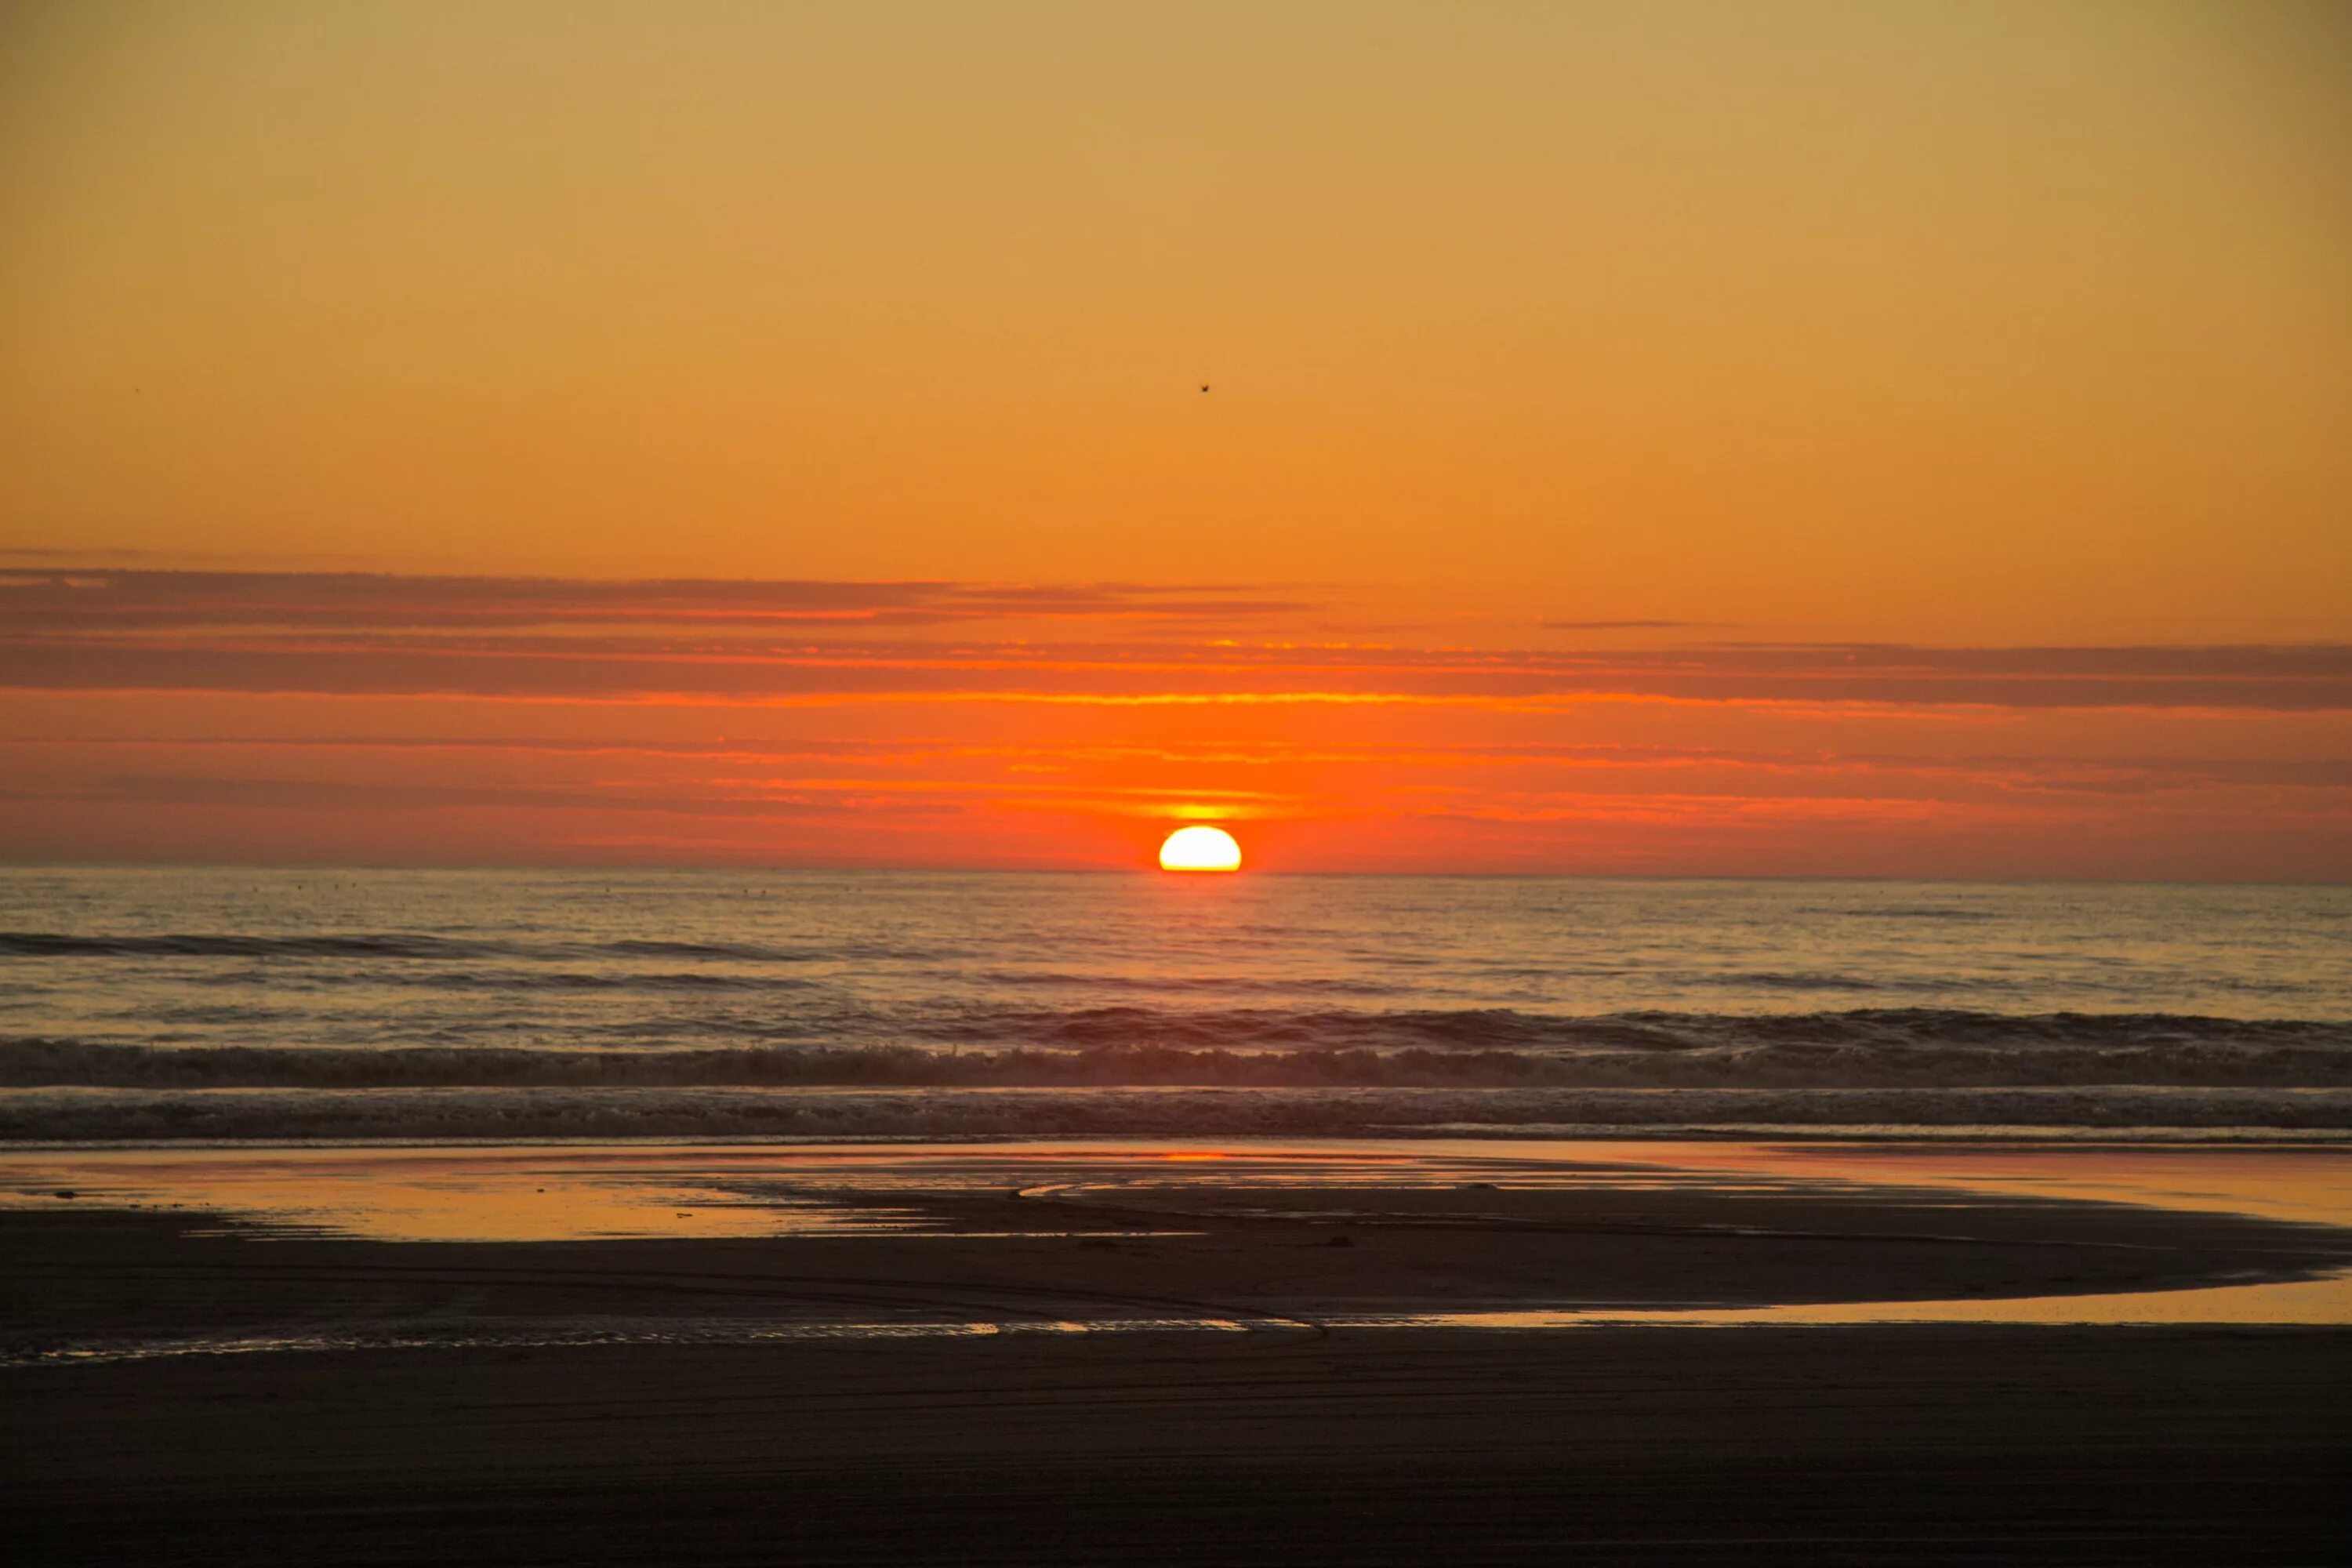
(2000, 322)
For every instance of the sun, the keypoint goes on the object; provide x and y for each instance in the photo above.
(1200, 849)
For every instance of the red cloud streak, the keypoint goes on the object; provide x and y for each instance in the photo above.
(319, 716)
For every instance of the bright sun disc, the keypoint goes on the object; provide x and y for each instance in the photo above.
(1200, 849)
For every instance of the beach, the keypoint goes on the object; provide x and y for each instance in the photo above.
(1156, 1352)
(1212, 783)
(1622, 1445)
(406, 1218)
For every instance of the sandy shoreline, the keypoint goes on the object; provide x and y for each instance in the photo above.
(1159, 1354)
(393, 1246)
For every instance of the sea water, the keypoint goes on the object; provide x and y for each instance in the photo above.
(230, 1001)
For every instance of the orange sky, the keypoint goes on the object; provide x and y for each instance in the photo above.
(1670, 436)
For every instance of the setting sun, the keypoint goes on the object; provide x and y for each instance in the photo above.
(1200, 849)
(599, 603)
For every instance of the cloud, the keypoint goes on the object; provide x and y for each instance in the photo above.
(93, 552)
(90, 598)
(89, 628)
(2271, 680)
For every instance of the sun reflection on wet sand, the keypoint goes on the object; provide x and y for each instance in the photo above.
(573, 1192)
(2307, 1302)
(439, 1194)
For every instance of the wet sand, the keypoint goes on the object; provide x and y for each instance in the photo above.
(1056, 1355)
(1932, 1446)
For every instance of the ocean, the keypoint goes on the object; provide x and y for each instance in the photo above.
(225, 1002)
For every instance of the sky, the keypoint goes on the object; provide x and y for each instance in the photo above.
(1677, 438)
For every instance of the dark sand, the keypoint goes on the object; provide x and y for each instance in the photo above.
(1913, 1445)
(970, 1420)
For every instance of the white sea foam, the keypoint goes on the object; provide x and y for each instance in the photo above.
(243, 1003)
(80, 1113)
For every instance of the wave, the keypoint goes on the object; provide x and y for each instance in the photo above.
(1046, 979)
(507, 980)
(1116, 1047)
(57, 944)
(1888, 1032)
(1897, 913)
(743, 952)
(89, 1114)
(1774, 979)
(411, 945)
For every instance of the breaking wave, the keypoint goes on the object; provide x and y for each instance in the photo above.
(728, 1113)
(1479, 1047)
(217, 1002)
